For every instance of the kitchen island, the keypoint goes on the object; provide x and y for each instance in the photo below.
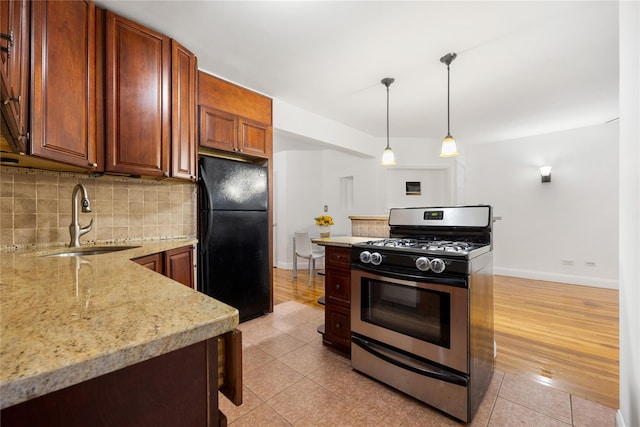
(74, 320)
(336, 331)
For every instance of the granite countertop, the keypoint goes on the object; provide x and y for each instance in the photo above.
(66, 320)
(342, 241)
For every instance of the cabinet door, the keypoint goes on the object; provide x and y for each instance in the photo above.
(14, 70)
(253, 137)
(152, 262)
(338, 257)
(178, 265)
(63, 100)
(217, 129)
(183, 108)
(137, 94)
(338, 328)
(338, 286)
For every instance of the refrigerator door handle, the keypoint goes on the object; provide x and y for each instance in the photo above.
(206, 210)
(206, 233)
(204, 179)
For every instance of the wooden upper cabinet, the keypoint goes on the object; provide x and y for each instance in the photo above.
(233, 118)
(138, 115)
(254, 138)
(14, 71)
(218, 129)
(63, 85)
(184, 67)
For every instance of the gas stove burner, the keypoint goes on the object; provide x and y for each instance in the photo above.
(447, 246)
(394, 243)
(424, 244)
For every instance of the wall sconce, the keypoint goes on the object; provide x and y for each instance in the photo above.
(545, 173)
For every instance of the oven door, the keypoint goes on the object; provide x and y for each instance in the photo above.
(427, 318)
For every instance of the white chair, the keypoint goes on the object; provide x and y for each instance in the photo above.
(302, 248)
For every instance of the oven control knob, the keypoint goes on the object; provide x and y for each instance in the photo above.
(423, 264)
(376, 258)
(365, 256)
(437, 265)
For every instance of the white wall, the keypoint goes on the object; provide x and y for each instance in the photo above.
(573, 218)
(629, 414)
(307, 180)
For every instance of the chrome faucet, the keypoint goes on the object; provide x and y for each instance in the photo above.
(74, 229)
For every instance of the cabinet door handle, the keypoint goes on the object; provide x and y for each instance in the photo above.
(8, 37)
(12, 99)
(338, 325)
(7, 48)
(338, 286)
(93, 165)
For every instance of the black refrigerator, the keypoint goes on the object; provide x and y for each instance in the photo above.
(234, 234)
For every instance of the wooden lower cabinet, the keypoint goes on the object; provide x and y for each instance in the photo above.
(175, 389)
(176, 264)
(337, 327)
(152, 262)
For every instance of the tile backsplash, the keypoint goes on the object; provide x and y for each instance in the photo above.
(35, 208)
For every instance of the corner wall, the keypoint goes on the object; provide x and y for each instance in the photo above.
(629, 413)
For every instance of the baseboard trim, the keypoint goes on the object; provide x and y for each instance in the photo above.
(597, 282)
(619, 419)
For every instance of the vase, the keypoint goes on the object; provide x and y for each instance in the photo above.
(325, 231)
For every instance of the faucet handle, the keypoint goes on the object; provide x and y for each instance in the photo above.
(85, 230)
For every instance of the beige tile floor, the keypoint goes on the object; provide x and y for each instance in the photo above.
(291, 379)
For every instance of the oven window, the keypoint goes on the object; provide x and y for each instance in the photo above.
(419, 313)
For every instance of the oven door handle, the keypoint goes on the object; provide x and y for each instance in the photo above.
(409, 363)
(448, 281)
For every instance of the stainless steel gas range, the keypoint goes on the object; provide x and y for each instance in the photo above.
(422, 306)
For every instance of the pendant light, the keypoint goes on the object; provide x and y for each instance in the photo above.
(448, 148)
(388, 159)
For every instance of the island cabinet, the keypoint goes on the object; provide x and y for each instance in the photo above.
(177, 264)
(14, 71)
(63, 85)
(175, 389)
(138, 113)
(234, 119)
(337, 332)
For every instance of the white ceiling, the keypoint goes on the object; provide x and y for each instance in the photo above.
(523, 68)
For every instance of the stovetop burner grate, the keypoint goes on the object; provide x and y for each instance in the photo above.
(424, 244)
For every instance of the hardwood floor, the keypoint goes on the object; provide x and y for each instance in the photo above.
(286, 288)
(563, 336)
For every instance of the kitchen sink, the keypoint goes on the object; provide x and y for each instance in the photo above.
(91, 250)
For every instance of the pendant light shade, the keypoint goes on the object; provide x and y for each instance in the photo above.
(449, 148)
(388, 159)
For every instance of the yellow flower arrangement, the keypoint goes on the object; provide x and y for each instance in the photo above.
(324, 221)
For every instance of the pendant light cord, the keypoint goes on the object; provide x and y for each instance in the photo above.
(388, 115)
(448, 113)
